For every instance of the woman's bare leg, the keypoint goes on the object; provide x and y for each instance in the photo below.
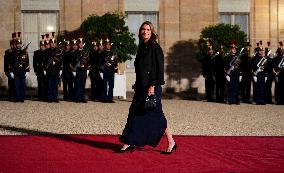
(170, 139)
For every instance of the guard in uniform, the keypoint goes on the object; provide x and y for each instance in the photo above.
(53, 68)
(278, 69)
(73, 54)
(38, 60)
(109, 62)
(20, 69)
(67, 76)
(8, 67)
(96, 80)
(259, 69)
(233, 74)
(100, 58)
(219, 74)
(208, 74)
(245, 85)
(270, 75)
(80, 66)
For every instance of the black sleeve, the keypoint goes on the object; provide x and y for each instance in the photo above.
(203, 65)
(157, 74)
(35, 62)
(6, 61)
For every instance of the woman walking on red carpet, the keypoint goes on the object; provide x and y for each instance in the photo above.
(146, 126)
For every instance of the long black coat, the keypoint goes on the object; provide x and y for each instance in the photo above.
(149, 64)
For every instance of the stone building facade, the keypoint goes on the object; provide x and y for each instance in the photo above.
(178, 22)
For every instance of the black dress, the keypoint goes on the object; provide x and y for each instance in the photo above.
(146, 127)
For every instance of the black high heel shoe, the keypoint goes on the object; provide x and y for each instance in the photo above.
(170, 152)
(130, 149)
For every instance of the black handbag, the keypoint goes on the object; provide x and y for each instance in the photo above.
(151, 102)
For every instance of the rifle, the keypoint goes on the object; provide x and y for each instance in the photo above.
(54, 58)
(82, 59)
(24, 48)
(281, 64)
(269, 52)
(260, 65)
(235, 62)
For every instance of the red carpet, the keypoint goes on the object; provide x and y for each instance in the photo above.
(95, 153)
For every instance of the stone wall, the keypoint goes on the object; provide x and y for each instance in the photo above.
(74, 12)
(180, 26)
(267, 22)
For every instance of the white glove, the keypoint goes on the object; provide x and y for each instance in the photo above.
(12, 75)
(102, 75)
(88, 71)
(44, 72)
(240, 78)
(228, 78)
(27, 74)
(265, 79)
(74, 73)
(60, 72)
(255, 79)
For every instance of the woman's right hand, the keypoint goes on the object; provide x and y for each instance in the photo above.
(151, 90)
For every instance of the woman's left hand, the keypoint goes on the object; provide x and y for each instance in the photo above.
(151, 90)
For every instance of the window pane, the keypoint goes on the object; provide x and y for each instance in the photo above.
(133, 21)
(48, 22)
(30, 22)
(242, 21)
(226, 19)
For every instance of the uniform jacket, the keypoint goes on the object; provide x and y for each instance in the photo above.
(7, 61)
(20, 61)
(255, 62)
(109, 62)
(219, 65)
(246, 65)
(149, 64)
(53, 61)
(66, 60)
(80, 63)
(38, 61)
(208, 66)
(276, 61)
(229, 62)
(94, 63)
(269, 67)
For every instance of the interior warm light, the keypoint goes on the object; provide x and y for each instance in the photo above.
(50, 28)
